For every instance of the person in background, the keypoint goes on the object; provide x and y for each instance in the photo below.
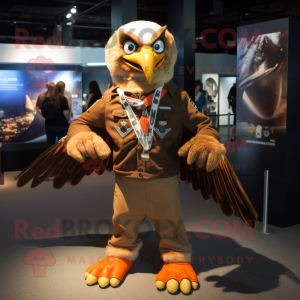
(232, 103)
(67, 95)
(94, 93)
(50, 89)
(55, 110)
(200, 99)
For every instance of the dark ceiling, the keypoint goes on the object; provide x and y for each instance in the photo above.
(91, 26)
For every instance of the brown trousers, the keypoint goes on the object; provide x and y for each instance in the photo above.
(158, 199)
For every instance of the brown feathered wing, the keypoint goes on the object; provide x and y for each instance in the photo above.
(56, 164)
(222, 184)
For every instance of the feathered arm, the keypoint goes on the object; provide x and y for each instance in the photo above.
(82, 139)
(203, 147)
(64, 161)
(203, 163)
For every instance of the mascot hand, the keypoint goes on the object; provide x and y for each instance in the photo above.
(204, 150)
(87, 144)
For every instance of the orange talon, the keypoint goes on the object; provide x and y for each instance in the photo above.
(177, 271)
(110, 267)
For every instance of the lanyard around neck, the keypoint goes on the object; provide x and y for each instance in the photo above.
(144, 139)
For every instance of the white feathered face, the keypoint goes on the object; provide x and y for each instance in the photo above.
(144, 58)
(143, 52)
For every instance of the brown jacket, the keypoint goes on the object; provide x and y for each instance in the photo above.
(175, 108)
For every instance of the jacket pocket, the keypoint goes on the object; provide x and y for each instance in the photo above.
(163, 114)
(119, 114)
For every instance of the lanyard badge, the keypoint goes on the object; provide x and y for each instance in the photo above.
(144, 139)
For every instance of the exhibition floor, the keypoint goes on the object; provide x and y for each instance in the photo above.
(250, 266)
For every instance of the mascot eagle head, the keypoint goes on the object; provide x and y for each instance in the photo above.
(141, 56)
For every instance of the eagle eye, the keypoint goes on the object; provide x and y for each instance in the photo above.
(159, 46)
(129, 47)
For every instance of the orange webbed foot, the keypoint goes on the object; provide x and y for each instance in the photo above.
(110, 270)
(177, 274)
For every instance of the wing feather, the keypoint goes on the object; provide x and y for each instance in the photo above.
(223, 199)
(223, 186)
(76, 170)
(243, 205)
(39, 164)
(64, 176)
(78, 177)
(44, 174)
(194, 182)
(226, 201)
(182, 169)
(35, 164)
(60, 166)
(211, 184)
(55, 163)
(204, 189)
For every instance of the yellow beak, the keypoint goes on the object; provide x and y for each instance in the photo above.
(144, 59)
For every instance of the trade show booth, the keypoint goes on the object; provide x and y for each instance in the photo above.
(266, 106)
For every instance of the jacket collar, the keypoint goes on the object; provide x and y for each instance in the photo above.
(171, 87)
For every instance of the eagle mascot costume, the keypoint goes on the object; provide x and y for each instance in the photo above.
(149, 132)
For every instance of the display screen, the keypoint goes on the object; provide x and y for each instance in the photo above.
(262, 88)
(19, 91)
(261, 99)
